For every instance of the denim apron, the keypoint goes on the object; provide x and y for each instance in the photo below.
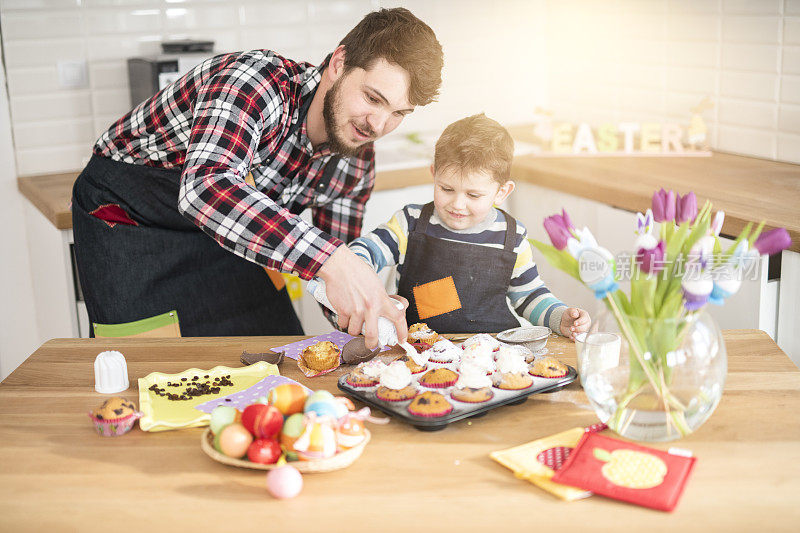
(143, 258)
(458, 287)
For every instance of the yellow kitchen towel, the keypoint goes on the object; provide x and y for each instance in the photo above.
(528, 462)
(160, 413)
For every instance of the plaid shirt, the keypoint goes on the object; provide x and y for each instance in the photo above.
(236, 114)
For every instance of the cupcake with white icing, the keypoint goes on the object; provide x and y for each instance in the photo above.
(396, 384)
(473, 385)
(512, 371)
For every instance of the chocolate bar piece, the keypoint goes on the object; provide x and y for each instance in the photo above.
(356, 351)
(274, 358)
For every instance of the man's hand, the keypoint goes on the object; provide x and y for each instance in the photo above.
(574, 320)
(359, 298)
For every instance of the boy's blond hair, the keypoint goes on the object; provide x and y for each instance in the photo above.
(475, 144)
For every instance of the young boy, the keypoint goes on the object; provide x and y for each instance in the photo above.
(459, 259)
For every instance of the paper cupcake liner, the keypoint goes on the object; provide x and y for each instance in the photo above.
(442, 385)
(472, 401)
(430, 415)
(548, 377)
(114, 427)
(377, 395)
(355, 384)
(309, 373)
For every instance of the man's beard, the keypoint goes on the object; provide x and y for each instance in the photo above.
(331, 107)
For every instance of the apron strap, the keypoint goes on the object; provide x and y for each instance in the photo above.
(511, 231)
(424, 218)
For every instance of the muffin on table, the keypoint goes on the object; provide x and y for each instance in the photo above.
(512, 372)
(473, 385)
(321, 356)
(548, 367)
(430, 404)
(395, 383)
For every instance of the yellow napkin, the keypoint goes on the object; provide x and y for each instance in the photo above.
(161, 414)
(522, 461)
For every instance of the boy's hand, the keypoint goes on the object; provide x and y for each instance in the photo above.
(574, 320)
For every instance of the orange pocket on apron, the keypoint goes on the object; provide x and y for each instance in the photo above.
(436, 298)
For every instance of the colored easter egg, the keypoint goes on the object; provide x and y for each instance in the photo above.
(318, 441)
(234, 440)
(317, 396)
(264, 451)
(284, 482)
(324, 408)
(292, 429)
(289, 398)
(343, 406)
(262, 421)
(350, 432)
(221, 416)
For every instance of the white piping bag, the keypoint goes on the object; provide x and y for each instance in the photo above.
(387, 334)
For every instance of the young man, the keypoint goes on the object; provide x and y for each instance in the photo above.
(235, 150)
(460, 260)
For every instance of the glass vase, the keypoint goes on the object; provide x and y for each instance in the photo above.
(653, 379)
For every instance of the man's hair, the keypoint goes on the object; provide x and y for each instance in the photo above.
(475, 144)
(399, 37)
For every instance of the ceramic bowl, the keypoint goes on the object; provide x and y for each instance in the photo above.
(533, 338)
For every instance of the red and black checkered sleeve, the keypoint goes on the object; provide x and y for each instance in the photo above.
(342, 218)
(238, 109)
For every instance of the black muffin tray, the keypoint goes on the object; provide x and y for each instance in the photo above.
(461, 410)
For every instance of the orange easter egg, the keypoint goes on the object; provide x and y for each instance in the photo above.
(351, 432)
(289, 398)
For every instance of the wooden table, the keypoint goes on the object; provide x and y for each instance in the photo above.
(57, 474)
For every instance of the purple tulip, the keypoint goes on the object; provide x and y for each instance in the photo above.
(773, 241)
(664, 206)
(686, 208)
(559, 229)
(651, 260)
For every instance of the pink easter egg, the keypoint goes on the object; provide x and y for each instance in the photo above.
(284, 482)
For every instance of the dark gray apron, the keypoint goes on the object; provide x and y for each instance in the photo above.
(160, 261)
(481, 276)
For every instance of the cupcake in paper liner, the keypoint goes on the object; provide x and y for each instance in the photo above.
(548, 367)
(444, 351)
(480, 356)
(420, 333)
(473, 385)
(319, 358)
(512, 372)
(116, 416)
(430, 404)
(395, 384)
(438, 378)
(366, 374)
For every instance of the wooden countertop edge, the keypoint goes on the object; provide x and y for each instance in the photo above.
(525, 169)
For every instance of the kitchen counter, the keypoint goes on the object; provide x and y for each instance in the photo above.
(58, 474)
(746, 188)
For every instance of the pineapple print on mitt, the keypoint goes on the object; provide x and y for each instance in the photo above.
(630, 469)
(626, 471)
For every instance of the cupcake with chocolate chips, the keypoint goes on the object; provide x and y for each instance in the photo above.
(473, 385)
(395, 383)
(114, 417)
(430, 404)
(512, 372)
(548, 367)
(366, 374)
(444, 351)
(438, 378)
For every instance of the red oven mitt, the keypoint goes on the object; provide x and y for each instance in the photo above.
(626, 471)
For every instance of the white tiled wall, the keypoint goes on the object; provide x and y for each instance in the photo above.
(494, 55)
(634, 60)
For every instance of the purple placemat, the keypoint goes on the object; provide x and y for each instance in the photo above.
(339, 338)
(242, 399)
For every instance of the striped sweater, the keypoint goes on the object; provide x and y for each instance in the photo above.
(527, 294)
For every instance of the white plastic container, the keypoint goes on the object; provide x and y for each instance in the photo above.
(110, 373)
